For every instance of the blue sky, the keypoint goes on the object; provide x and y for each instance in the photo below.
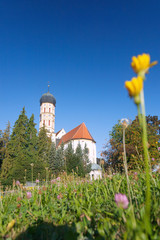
(84, 49)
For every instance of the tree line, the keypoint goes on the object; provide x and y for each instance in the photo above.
(113, 152)
(24, 148)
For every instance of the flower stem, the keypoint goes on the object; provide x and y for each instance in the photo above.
(125, 165)
(147, 168)
(126, 172)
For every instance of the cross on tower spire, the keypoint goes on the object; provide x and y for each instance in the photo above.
(48, 86)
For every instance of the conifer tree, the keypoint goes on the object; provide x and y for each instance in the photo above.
(44, 145)
(79, 151)
(4, 139)
(32, 152)
(70, 159)
(52, 157)
(86, 162)
(1, 146)
(80, 163)
(15, 160)
(60, 160)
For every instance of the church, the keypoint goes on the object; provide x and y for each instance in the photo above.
(79, 134)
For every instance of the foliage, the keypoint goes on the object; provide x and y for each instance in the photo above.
(22, 149)
(60, 164)
(4, 139)
(15, 158)
(113, 153)
(52, 157)
(77, 161)
(44, 144)
(74, 208)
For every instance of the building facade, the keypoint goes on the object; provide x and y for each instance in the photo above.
(78, 135)
(47, 114)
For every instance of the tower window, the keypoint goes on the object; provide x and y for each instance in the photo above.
(49, 123)
(43, 122)
(49, 110)
(44, 109)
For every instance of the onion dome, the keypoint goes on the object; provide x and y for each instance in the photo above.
(48, 98)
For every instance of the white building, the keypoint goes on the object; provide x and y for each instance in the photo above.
(47, 114)
(79, 134)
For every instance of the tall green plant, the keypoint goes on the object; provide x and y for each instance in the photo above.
(141, 65)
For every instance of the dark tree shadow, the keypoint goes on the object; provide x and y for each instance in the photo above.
(47, 231)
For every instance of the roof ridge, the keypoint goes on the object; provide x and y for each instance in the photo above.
(78, 127)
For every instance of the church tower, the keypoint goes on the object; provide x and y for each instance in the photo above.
(47, 114)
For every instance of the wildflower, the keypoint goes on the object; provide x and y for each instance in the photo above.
(124, 122)
(121, 200)
(59, 196)
(158, 148)
(134, 86)
(18, 183)
(37, 180)
(11, 224)
(29, 195)
(153, 159)
(53, 181)
(58, 178)
(40, 192)
(141, 63)
(1, 197)
(135, 173)
(32, 164)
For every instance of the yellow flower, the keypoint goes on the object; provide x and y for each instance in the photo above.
(1, 197)
(141, 63)
(10, 225)
(134, 86)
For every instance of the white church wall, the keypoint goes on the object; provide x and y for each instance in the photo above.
(90, 145)
(61, 134)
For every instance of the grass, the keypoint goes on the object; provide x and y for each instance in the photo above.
(74, 208)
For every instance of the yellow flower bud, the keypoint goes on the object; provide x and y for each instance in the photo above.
(134, 86)
(141, 63)
(10, 225)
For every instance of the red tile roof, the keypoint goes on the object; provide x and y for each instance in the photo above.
(80, 132)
